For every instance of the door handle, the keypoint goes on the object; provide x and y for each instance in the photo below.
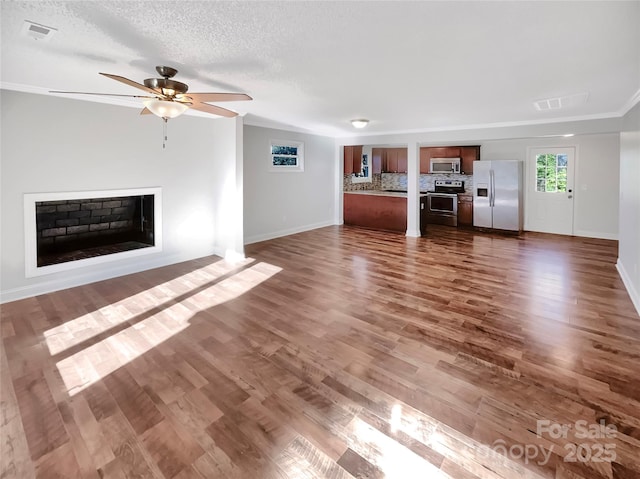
(570, 196)
(491, 188)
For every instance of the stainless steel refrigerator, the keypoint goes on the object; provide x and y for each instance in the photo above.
(497, 194)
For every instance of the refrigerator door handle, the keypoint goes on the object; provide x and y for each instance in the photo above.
(492, 188)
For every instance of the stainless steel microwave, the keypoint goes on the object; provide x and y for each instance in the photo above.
(444, 165)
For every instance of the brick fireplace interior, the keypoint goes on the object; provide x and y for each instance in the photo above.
(69, 230)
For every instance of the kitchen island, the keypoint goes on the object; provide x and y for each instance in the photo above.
(381, 210)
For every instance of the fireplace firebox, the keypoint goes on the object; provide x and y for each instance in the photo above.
(76, 229)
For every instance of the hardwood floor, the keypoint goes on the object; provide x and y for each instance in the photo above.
(339, 353)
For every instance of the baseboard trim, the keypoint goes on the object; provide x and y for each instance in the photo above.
(626, 279)
(287, 232)
(596, 234)
(50, 286)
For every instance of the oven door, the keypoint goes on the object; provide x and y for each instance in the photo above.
(442, 204)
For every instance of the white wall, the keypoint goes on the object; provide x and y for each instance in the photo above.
(629, 247)
(596, 177)
(282, 203)
(54, 144)
(227, 187)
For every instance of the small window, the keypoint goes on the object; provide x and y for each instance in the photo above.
(286, 155)
(365, 171)
(551, 173)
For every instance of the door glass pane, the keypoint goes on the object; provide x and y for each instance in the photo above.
(551, 173)
(562, 160)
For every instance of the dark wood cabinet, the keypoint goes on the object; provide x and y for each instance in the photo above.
(348, 160)
(395, 160)
(402, 160)
(377, 155)
(381, 212)
(426, 153)
(378, 212)
(469, 154)
(352, 159)
(390, 160)
(465, 210)
(425, 156)
(445, 152)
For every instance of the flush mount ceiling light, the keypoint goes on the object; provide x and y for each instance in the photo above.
(361, 123)
(165, 109)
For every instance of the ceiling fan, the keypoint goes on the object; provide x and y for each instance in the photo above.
(168, 98)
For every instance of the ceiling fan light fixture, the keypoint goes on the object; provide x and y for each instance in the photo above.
(360, 123)
(165, 109)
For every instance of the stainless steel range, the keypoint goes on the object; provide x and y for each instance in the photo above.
(442, 203)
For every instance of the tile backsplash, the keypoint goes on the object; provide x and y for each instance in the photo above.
(398, 181)
(375, 184)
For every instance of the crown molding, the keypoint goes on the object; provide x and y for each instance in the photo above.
(631, 103)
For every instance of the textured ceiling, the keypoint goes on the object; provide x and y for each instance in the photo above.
(405, 66)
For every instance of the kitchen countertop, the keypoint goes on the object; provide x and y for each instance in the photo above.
(397, 194)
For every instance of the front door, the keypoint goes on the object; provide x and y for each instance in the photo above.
(550, 190)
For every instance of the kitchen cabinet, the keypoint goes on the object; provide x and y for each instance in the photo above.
(377, 155)
(469, 154)
(465, 210)
(390, 160)
(380, 211)
(395, 160)
(444, 152)
(403, 155)
(426, 153)
(352, 159)
(425, 156)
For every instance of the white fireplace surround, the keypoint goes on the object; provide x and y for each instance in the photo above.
(30, 231)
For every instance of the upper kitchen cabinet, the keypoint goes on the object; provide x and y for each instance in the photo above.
(469, 154)
(377, 156)
(426, 153)
(403, 155)
(445, 152)
(394, 160)
(425, 156)
(352, 159)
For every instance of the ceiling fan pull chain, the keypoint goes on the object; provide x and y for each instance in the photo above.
(164, 133)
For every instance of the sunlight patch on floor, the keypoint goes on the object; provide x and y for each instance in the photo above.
(395, 460)
(87, 326)
(388, 455)
(91, 364)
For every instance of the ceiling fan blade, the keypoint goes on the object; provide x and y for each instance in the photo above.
(206, 97)
(215, 110)
(99, 94)
(146, 111)
(132, 83)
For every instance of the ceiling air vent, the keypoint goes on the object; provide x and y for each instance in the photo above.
(37, 31)
(561, 102)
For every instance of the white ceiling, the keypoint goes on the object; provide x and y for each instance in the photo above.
(406, 66)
